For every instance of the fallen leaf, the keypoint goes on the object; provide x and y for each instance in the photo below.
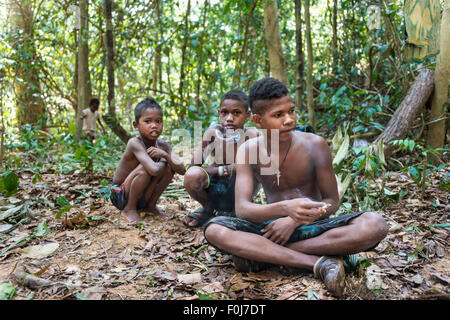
(40, 251)
(239, 286)
(373, 277)
(190, 278)
(94, 293)
(213, 287)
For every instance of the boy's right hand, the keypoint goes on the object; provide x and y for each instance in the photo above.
(302, 210)
(155, 152)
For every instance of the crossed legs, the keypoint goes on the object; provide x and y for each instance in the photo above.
(362, 233)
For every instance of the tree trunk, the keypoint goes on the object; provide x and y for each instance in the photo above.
(200, 70)
(334, 26)
(30, 106)
(299, 56)
(110, 118)
(436, 132)
(183, 58)
(83, 65)
(309, 78)
(415, 99)
(272, 32)
(157, 59)
(239, 62)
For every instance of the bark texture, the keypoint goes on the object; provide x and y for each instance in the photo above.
(439, 100)
(110, 117)
(272, 32)
(416, 97)
(84, 84)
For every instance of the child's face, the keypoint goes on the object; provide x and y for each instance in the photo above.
(232, 114)
(93, 107)
(280, 114)
(150, 125)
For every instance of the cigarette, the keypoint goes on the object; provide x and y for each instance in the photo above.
(324, 207)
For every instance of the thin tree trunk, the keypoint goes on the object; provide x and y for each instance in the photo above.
(74, 93)
(200, 59)
(418, 94)
(309, 78)
(272, 32)
(299, 56)
(157, 58)
(83, 65)
(30, 106)
(439, 100)
(334, 26)
(110, 118)
(183, 57)
(239, 62)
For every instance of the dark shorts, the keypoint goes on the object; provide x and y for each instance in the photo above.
(221, 192)
(117, 198)
(301, 233)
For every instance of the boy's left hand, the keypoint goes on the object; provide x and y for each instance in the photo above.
(154, 152)
(280, 230)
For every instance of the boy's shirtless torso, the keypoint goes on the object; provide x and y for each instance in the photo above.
(129, 162)
(298, 177)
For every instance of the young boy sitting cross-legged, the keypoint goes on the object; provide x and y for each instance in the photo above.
(213, 186)
(147, 165)
(293, 228)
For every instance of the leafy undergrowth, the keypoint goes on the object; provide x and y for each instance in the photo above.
(89, 252)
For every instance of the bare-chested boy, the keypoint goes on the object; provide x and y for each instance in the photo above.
(213, 186)
(293, 228)
(147, 165)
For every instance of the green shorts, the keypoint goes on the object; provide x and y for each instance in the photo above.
(301, 233)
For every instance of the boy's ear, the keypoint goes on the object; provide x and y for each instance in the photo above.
(135, 125)
(248, 115)
(257, 120)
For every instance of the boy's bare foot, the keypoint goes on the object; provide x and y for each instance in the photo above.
(331, 271)
(158, 211)
(132, 216)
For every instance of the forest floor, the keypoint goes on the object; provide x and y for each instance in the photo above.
(91, 253)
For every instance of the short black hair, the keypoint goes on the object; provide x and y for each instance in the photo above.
(265, 89)
(94, 101)
(147, 103)
(237, 95)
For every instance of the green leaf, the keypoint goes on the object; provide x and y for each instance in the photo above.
(380, 152)
(80, 296)
(42, 229)
(7, 291)
(411, 145)
(343, 151)
(95, 218)
(10, 182)
(72, 129)
(62, 201)
(337, 140)
(202, 296)
(312, 295)
(442, 225)
(415, 174)
(37, 177)
(63, 210)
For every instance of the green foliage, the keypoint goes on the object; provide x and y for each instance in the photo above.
(9, 182)
(7, 291)
(66, 206)
(419, 171)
